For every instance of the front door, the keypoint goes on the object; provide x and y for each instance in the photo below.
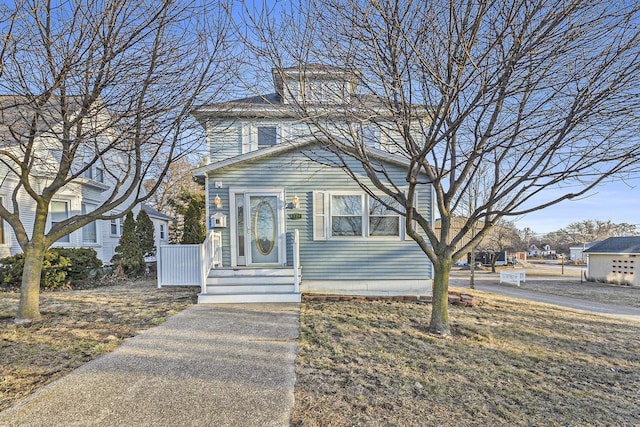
(259, 227)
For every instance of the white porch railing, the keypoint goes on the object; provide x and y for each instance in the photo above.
(513, 277)
(189, 265)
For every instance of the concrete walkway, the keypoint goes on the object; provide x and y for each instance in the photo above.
(210, 365)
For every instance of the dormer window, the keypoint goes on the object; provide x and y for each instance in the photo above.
(267, 136)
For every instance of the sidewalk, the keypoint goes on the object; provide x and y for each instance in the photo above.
(210, 365)
(489, 284)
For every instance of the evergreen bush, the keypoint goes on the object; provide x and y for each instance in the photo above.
(128, 254)
(145, 233)
(84, 263)
(55, 269)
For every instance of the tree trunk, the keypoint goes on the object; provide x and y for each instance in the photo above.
(440, 304)
(29, 308)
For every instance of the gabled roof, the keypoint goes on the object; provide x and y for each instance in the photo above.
(275, 150)
(585, 245)
(617, 245)
(153, 213)
(17, 112)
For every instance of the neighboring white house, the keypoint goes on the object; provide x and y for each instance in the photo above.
(160, 224)
(615, 260)
(576, 253)
(81, 195)
(546, 250)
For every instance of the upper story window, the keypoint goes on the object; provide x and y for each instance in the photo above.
(161, 231)
(88, 173)
(255, 136)
(99, 175)
(267, 136)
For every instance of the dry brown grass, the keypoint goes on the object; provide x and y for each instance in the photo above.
(510, 362)
(78, 326)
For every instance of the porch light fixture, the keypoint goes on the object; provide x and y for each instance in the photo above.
(295, 202)
(217, 202)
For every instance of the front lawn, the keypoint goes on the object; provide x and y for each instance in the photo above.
(510, 362)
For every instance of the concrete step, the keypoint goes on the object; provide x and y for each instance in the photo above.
(249, 280)
(251, 272)
(248, 298)
(250, 289)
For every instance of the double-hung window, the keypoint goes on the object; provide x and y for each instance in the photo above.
(355, 215)
(2, 238)
(383, 220)
(346, 215)
(59, 212)
(89, 231)
(88, 173)
(115, 227)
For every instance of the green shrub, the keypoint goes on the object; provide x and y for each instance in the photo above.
(128, 256)
(54, 270)
(84, 263)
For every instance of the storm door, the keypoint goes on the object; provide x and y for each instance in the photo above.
(259, 228)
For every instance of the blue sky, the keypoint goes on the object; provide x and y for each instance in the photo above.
(616, 201)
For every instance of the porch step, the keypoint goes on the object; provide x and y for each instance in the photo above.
(250, 288)
(248, 298)
(251, 272)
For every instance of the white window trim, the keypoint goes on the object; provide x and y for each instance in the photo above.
(327, 197)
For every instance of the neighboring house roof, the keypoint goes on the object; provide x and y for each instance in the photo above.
(153, 213)
(17, 112)
(585, 245)
(617, 245)
(284, 147)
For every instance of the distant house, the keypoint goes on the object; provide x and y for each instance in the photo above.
(615, 260)
(542, 252)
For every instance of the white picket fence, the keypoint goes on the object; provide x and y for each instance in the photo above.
(514, 277)
(189, 265)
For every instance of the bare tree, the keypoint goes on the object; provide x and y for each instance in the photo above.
(540, 96)
(501, 238)
(581, 232)
(97, 86)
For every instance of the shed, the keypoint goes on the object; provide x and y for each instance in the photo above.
(615, 260)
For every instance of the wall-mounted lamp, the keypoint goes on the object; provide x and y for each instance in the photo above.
(217, 202)
(295, 202)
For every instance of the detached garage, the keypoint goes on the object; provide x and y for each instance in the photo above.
(615, 260)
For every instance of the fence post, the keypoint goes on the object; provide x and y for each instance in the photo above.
(296, 261)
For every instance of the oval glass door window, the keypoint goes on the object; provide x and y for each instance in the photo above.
(264, 224)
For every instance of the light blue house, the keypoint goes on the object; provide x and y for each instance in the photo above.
(285, 218)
